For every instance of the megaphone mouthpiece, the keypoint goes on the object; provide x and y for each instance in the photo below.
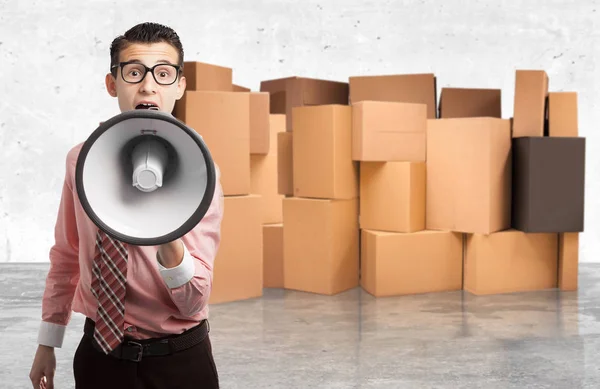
(149, 159)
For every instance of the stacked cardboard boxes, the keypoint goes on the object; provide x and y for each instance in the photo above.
(398, 255)
(490, 182)
(263, 172)
(233, 123)
(332, 185)
(549, 168)
(510, 190)
(320, 182)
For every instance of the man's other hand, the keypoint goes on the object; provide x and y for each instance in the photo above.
(43, 368)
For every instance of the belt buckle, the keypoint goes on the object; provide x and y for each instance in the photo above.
(138, 356)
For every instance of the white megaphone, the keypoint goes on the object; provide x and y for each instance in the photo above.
(145, 178)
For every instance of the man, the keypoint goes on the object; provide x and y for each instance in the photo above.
(166, 289)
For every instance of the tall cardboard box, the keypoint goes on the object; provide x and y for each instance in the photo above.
(260, 140)
(548, 184)
(409, 263)
(238, 270)
(223, 121)
(322, 153)
(259, 120)
(469, 170)
(563, 115)
(510, 261)
(202, 76)
(530, 103)
(291, 92)
(389, 131)
(264, 175)
(392, 196)
(320, 245)
(403, 88)
(568, 261)
(470, 102)
(273, 255)
(285, 164)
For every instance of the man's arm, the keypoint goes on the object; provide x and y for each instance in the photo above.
(63, 275)
(187, 264)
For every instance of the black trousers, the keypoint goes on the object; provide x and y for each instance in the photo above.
(193, 368)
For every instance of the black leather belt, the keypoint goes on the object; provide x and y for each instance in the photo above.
(134, 350)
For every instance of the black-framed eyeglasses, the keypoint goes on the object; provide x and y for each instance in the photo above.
(135, 72)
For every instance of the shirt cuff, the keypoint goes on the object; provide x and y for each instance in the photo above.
(181, 274)
(51, 334)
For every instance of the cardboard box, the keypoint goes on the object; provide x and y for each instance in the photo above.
(322, 153)
(202, 76)
(420, 262)
(264, 175)
(288, 93)
(392, 196)
(548, 184)
(320, 245)
(568, 261)
(403, 88)
(285, 164)
(470, 102)
(223, 121)
(273, 256)
(563, 114)
(239, 88)
(238, 270)
(388, 131)
(510, 261)
(259, 123)
(531, 93)
(468, 175)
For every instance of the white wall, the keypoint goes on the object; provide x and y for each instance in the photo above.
(54, 55)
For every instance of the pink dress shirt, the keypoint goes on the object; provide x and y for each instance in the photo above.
(158, 300)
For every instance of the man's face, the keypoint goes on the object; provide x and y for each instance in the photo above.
(147, 92)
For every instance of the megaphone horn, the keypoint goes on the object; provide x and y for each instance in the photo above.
(145, 178)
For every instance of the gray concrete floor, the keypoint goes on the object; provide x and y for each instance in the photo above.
(290, 339)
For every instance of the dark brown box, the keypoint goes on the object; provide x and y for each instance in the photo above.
(288, 93)
(548, 184)
(470, 102)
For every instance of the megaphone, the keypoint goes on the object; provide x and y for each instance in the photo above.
(145, 178)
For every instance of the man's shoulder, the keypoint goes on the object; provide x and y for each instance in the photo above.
(73, 153)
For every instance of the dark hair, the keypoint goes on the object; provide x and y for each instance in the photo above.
(145, 33)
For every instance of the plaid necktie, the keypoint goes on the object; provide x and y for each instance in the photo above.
(109, 277)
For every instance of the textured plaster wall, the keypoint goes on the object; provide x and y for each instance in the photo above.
(54, 55)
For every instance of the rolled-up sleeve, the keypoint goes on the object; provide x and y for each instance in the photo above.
(190, 282)
(63, 274)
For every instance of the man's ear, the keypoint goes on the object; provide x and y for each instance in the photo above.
(111, 85)
(181, 85)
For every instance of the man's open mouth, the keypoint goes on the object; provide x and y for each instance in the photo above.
(147, 106)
